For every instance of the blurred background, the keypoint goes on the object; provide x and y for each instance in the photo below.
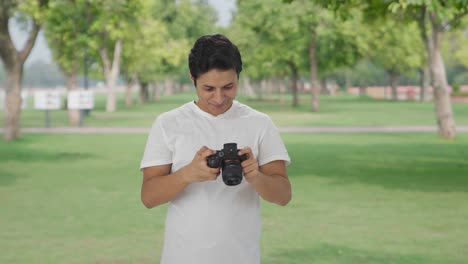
(384, 50)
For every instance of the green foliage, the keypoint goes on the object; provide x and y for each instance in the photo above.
(274, 34)
(397, 47)
(67, 33)
(457, 42)
(158, 46)
(32, 9)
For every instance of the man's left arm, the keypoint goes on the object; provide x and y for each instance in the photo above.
(270, 180)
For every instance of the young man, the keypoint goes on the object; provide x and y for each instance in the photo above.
(207, 220)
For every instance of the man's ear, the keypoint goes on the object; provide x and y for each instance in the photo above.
(193, 80)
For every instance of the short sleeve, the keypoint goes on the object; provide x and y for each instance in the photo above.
(157, 151)
(271, 146)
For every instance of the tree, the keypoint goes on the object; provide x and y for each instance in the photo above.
(32, 13)
(396, 47)
(300, 36)
(161, 52)
(111, 21)
(442, 16)
(435, 17)
(186, 21)
(66, 31)
(271, 41)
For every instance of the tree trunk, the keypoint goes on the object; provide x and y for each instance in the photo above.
(269, 87)
(168, 87)
(425, 82)
(425, 71)
(443, 105)
(363, 90)
(12, 108)
(178, 87)
(248, 87)
(263, 87)
(144, 93)
(111, 71)
(348, 82)
(394, 84)
(111, 102)
(71, 83)
(323, 86)
(294, 78)
(156, 91)
(13, 61)
(282, 90)
(314, 84)
(131, 83)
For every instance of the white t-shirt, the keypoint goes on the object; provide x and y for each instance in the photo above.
(210, 222)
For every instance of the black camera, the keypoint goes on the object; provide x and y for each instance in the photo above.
(230, 163)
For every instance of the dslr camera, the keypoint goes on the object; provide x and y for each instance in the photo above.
(230, 163)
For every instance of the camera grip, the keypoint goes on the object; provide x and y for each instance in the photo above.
(244, 157)
(213, 161)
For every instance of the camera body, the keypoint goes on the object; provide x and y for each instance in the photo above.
(230, 163)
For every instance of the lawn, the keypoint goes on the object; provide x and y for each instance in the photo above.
(345, 110)
(357, 198)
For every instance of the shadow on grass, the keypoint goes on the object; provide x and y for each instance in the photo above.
(28, 155)
(14, 154)
(428, 167)
(327, 253)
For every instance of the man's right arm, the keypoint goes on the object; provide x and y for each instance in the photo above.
(161, 186)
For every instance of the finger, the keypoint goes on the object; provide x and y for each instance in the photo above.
(247, 151)
(250, 168)
(213, 176)
(214, 171)
(207, 152)
(249, 162)
(201, 150)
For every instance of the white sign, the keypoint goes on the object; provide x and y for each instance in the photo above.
(82, 99)
(24, 99)
(47, 100)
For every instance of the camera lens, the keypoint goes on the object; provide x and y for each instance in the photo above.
(232, 173)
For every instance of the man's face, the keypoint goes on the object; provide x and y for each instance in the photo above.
(216, 90)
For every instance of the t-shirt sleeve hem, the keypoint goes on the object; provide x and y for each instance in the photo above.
(154, 163)
(271, 158)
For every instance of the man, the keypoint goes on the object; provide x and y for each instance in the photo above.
(207, 220)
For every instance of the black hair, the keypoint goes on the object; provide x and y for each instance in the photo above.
(213, 52)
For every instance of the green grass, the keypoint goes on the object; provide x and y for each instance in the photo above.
(357, 198)
(335, 111)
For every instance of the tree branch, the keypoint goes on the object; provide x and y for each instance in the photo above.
(24, 53)
(116, 59)
(105, 60)
(7, 48)
(455, 19)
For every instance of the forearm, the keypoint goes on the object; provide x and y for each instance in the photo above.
(159, 190)
(273, 188)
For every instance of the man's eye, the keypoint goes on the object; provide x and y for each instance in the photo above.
(209, 89)
(228, 87)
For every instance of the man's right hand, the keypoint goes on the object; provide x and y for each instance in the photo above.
(198, 170)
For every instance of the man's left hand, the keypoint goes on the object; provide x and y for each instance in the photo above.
(250, 165)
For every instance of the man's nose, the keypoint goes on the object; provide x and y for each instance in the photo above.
(218, 96)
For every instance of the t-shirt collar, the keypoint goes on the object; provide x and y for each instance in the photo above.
(206, 114)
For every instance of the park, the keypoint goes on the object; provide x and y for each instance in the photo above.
(379, 169)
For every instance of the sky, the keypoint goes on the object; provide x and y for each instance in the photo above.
(41, 50)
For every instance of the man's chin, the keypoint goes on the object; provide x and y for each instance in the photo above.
(218, 110)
